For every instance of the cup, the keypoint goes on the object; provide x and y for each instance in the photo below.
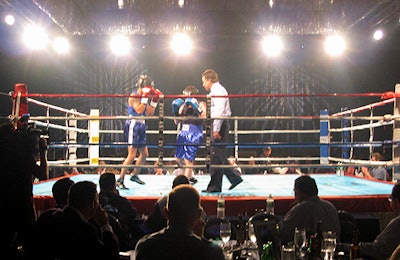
(288, 252)
(328, 245)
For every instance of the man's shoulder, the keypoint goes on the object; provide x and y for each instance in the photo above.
(198, 248)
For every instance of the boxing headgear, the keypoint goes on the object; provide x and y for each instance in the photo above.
(190, 90)
(144, 80)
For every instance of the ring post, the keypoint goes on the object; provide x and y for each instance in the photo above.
(324, 137)
(72, 137)
(94, 138)
(345, 136)
(396, 137)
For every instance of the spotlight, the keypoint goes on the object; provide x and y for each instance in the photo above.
(120, 4)
(181, 44)
(35, 38)
(272, 45)
(9, 19)
(120, 45)
(61, 45)
(335, 45)
(378, 35)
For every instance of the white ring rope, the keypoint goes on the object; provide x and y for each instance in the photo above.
(381, 121)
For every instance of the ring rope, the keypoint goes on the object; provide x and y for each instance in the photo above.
(383, 121)
(366, 107)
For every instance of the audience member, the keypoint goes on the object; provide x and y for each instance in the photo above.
(252, 170)
(349, 171)
(70, 234)
(387, 241)
(376, 172)
(308, 210)
(23, 158)
(291, 169)
(157, 219)
(265, 155)
(60, 191)
(308, 166)
(178, 240)
(127, 227)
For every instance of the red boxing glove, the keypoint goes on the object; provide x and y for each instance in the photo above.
(388, 95)
(146, 92)
(156, 97)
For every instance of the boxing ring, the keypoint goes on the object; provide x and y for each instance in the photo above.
(336, 131)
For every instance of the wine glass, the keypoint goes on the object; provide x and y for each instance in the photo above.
(252, 233)
(300, 240)
(225, 232)
(328, 245)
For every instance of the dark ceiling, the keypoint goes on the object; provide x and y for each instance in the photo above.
(208, 17)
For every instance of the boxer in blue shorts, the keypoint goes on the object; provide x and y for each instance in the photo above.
(191, 129)
(142, 102)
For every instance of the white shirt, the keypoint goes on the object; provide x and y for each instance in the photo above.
(219, 105)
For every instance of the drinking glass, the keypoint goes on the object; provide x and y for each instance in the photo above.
(225, 232)
(288, 252)
(328, 245)
(300, 240)
(252, 234)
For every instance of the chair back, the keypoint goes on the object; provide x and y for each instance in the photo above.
(211, 229)
(348, 226)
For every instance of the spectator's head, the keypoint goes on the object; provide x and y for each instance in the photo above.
(107, 181)
(376, 157)
(305, 187)
(395, 198)
(83, 197)
(60, 191)
(183, 206)
(267, 151)
(232, 160)
(179, 180)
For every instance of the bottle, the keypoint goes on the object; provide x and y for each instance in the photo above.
(270, 205)
(240, 230)
(266, 253)
(221, 207)
(340, 169)
(355, 246)
(314, 251)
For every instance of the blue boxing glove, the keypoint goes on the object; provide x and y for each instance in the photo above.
(176, 104)
(192, 102)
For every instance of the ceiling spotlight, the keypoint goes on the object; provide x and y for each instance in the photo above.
(9, 19)
(120, 45)
(181, 3)
(335, 45)
(35, 38)
(272, 45)
(378, 34)
(181, 44)
(121, 4)
(61, 45)
(271, 3)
